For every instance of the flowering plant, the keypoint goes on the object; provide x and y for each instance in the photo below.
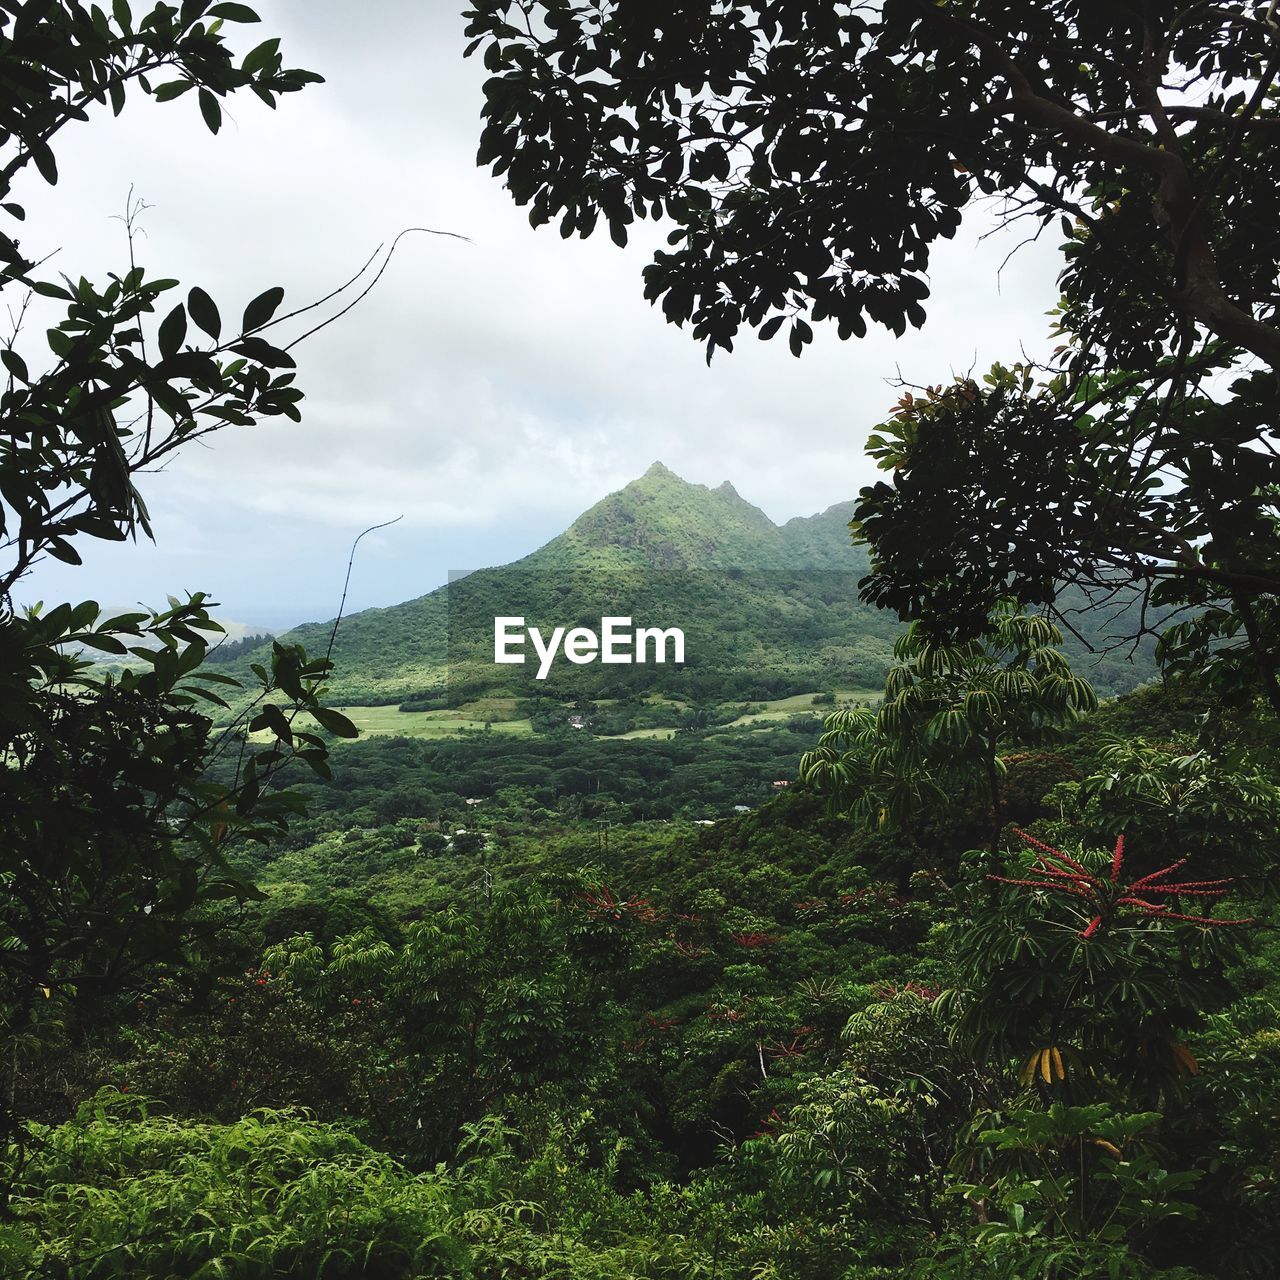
(1105, 898)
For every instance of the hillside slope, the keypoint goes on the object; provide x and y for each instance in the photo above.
(769, 608)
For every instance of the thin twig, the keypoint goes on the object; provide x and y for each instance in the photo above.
(333, 635)
(453, 235)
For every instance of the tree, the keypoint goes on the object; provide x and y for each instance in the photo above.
(811, 156)
(1089, 966)
(114, 833)
(1221, 810)
(947, 710)
(483, 1004)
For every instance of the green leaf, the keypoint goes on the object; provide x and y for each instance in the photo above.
(249, 794)
(172, 89)
(801, 333)
(234, 13)
(204, 312)
(207, 695)
(64, 551)
(211, 111)
(261, 309)
(334, 721)
(257, 59)
(264, 353)
(172, 331)
(276, 721)
(96, 640)
(15, 364)
(319, 765)
(125, 621)
(123, 17)
(45, 162)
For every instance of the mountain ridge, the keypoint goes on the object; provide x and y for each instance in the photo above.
(662, 521)
(784, 596)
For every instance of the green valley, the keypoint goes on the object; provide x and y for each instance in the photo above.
(772, 612)
(696, 896)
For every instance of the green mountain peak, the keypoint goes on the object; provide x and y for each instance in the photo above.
(810, 630)
(659, 470)
(662, 521)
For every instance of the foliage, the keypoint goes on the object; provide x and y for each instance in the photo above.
(947, 711)
(123, 1194)
(880, 1128)
(1084, 993)
(1017, 488)
(116, 840)
(113, 838)
(168, 1198)
(709, 1050)
(1074, 1191)
(1220, 810)
(809, 160)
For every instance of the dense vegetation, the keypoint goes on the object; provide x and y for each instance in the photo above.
(988, 991)
(681, 1048)
(769, 611)
(569, 775)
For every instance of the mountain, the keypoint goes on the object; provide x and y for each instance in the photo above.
(769, 610)
(663, 522)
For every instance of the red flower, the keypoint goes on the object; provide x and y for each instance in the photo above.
(604, 906)
(776, 1049)
(1063, 874)
(887, 990)
(771, 1125)
(725, 1015)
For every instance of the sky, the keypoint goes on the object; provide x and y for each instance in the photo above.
(486, 392)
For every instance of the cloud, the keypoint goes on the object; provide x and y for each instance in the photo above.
(488, 391)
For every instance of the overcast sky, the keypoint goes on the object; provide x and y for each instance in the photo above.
(488, 392)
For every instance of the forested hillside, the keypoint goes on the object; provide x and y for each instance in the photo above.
(772, 610)
(549, 1032)
(891, 934)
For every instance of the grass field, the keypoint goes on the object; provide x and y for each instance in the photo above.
(427, 724)
(799, 704)
(662, 734)
(499, 714)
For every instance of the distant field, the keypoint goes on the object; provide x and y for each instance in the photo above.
(498, 714)
(427, 724)
(801, 704)
(662, 734)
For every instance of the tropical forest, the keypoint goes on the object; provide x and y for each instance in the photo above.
(918, 915)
